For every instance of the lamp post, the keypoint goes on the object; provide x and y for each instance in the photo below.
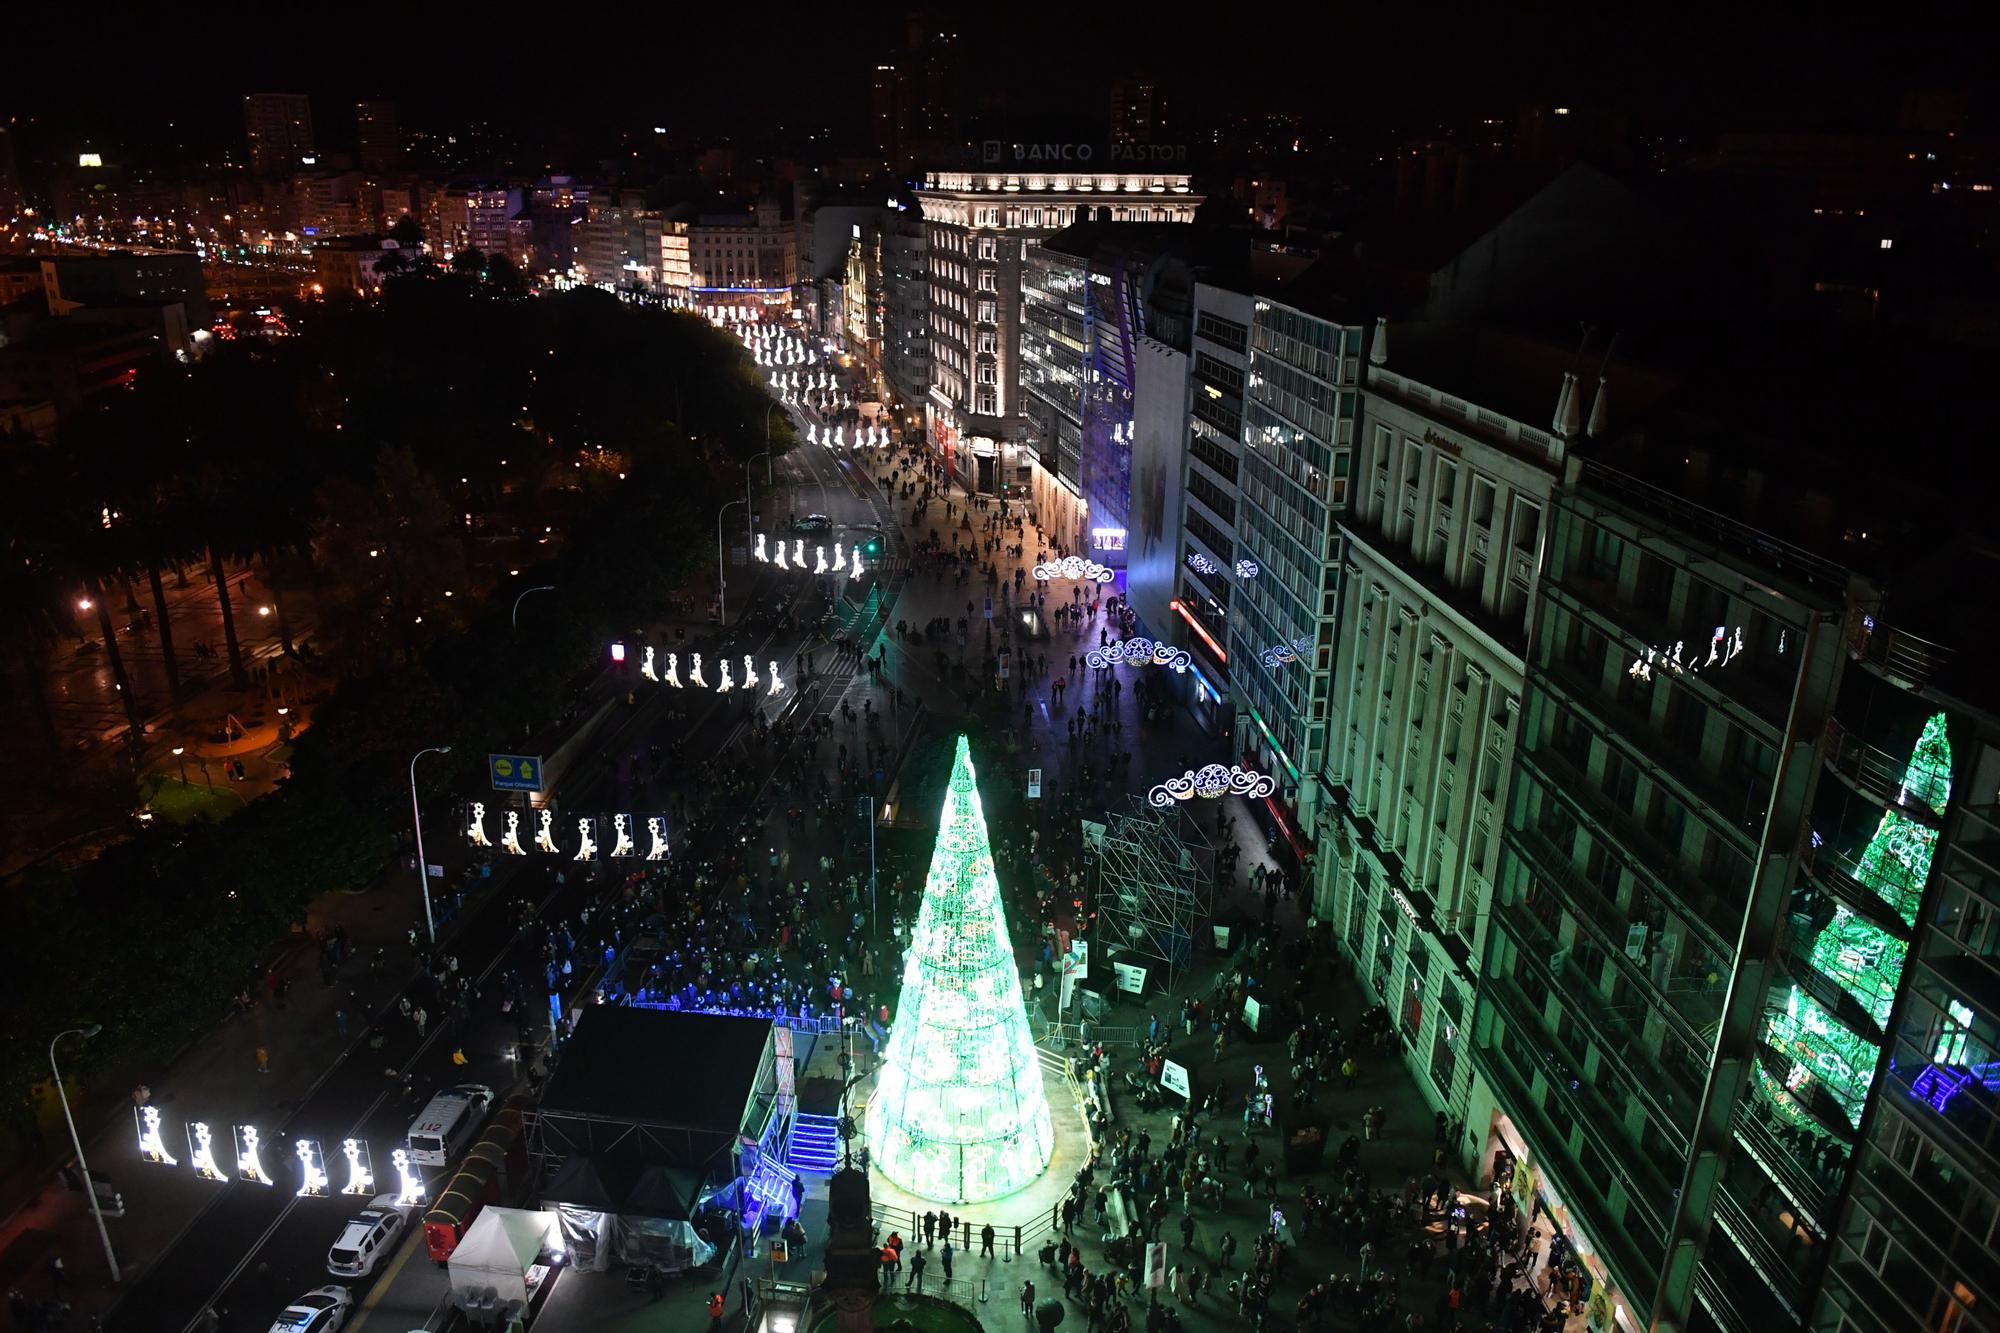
(180, 755)
(514, 616)
(417, 819)
(90, 1186)
(721, 592)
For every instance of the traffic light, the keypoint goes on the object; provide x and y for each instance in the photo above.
(874, 545)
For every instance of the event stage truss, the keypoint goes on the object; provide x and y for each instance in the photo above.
(1155, 885)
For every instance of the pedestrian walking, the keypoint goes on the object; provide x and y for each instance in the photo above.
(986, 1241)
(263, 1060)
(420, 1018)
(714, 1312)
(944, 1258)
(1028, 1297)
(915, 1280)
(340, 1021)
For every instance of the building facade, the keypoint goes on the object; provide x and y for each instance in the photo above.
(1441, 546)
(977, 226)
(906, 344)
(744, 260)
(380, 136)
(1301, 406)
(1218, 369)
(279, 128)
(1675, 696)
(1914, 1245)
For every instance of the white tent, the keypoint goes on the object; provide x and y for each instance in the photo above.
(490, 1266)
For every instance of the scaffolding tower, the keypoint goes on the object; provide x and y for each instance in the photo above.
(1155, 885)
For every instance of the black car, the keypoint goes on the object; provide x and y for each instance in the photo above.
(812, 523)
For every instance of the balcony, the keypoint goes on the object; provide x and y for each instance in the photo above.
(1834, 872)
(1829, 994)
(1901, 657)
(1718, 920)
(1874, 773)
(1690, 1011)
(1618, 1037)
(1807, 1194)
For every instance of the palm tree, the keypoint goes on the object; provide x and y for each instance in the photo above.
(122, 445)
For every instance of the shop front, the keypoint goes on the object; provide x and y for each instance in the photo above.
(1567, 1271)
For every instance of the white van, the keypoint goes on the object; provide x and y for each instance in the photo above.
(448, 1122)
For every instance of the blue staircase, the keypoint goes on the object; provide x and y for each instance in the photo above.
(815, 1143)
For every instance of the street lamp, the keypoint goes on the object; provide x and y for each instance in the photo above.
(514, 617)
(417, 819)
(90, 1186)
(180, 754)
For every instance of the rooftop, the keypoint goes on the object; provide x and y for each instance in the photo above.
(659, 1067)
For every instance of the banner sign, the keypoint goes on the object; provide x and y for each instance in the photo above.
(1131, 980)
(1251, 1011)
(1174, 1077)
(515, 772)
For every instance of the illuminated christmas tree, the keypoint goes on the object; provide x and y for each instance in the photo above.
(958, 1113)
(1864, 959)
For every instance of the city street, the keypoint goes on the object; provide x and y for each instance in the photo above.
(247, 1250)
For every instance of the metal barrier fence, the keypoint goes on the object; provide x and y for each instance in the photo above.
(1071, 1034)
(1010, 1239)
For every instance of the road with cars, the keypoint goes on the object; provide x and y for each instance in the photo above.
(252, 1250)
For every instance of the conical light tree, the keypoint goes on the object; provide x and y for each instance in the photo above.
(959, 1113)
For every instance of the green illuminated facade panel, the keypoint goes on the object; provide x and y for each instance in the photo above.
(959, 1114)
(1864, 959)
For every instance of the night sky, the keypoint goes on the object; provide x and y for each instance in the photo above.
(130, 86)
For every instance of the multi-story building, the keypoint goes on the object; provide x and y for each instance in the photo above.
(1440, 548)
(279, 127)
(329, 203)
(746, 259)
(473, 215)
(1205, 556)
(1729, 936)
(863, 299)
(1089, 295)
(1301, 403)
(906, 346)
(1138, 110)
(977, 225)
(1914, 1245)
(914, 98)
(676, 269)
(380, 139)
(620, 245)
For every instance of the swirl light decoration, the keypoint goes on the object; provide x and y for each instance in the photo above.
(1247, 569)
(1140, 652)
(1288, 652)
(1075, 567)
(1210, 782)
(1201, 564)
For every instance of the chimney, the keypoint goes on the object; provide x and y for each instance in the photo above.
(1378, 351)
(1597, 410)
(1562, 403)
(1572, 408)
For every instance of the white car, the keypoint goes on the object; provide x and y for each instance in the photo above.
(367, 1237)
(321, 1310)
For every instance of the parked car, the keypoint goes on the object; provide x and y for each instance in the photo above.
(367, 1237)
(321, 1310)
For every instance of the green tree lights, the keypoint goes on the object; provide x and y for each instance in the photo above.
(1865, 960)
(958, 1113)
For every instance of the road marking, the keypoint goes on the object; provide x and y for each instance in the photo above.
(387, 1277)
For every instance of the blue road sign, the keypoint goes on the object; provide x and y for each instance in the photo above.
(515, 772)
